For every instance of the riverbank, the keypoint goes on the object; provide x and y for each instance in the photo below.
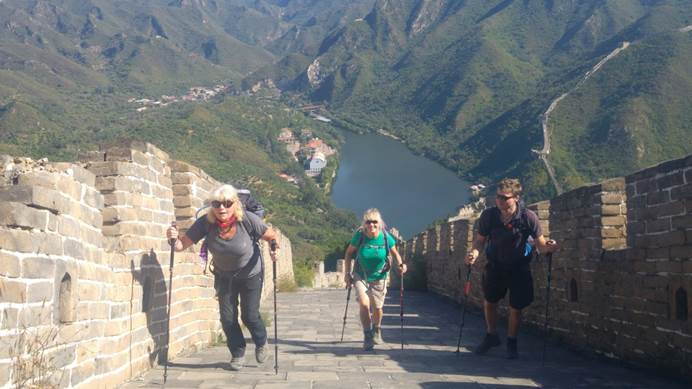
(383, 132)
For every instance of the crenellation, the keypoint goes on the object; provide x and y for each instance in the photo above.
(183, 178)
(89, 241)
(163, 183)
(626, 247)
(76, 172)
(40, 178)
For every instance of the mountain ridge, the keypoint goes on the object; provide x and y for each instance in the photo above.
(445, 88)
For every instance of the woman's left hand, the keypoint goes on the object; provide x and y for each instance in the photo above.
(402, 268)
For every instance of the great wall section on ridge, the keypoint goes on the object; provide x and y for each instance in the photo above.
(83, 260)
(84, 266)
(622, 280)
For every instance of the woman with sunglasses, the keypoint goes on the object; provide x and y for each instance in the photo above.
(373, 247)
(231, 235)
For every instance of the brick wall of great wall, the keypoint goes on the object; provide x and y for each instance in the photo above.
(84, 265)
(622, 281)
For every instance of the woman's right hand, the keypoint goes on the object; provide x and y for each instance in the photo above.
(348, 279)
(172, 233)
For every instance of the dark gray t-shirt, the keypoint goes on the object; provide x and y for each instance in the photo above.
(237, 254)
(508, 243)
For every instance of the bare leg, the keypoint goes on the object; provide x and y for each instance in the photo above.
(514, 320)
(490, 310)
(364, 303)
(377, 317)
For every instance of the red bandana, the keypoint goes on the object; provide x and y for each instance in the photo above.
(226, 225)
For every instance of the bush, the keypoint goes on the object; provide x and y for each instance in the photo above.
(303, 274)
(286, 284)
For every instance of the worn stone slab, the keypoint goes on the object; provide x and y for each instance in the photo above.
(310, 358)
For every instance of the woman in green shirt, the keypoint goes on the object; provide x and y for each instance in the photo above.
(374, 248)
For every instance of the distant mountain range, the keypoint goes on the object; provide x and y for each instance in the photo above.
(466, 82)
(463, 82)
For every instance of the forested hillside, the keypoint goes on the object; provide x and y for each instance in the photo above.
(75, 74)
(465, 83)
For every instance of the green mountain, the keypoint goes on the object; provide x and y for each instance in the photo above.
(465, 83)
(69, 71)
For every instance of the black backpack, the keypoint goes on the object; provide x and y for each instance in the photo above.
(251, 205)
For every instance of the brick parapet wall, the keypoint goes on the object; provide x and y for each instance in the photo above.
(83, 257)
(622, 278)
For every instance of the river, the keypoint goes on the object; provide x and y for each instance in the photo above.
(410, 191)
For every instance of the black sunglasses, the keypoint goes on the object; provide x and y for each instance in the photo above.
(503, 197)
(226, 203)
(371, 222)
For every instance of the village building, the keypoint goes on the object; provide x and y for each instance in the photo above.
(317, 145)
(288, 178)
(316, 164)
(286, 135)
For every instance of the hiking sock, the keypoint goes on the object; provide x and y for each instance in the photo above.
(377, 335)
(368, 342)
(512, 349)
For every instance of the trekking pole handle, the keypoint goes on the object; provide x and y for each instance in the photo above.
(172, 241)
(273, 245)
(467, 285)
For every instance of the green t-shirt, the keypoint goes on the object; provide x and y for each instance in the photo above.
(372, 255)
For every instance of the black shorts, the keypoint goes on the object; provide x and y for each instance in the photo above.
(497, 279)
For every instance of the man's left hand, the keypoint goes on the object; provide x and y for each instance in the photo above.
(551, 245)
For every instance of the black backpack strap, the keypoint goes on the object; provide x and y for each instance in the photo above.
(248, 228)
(525, 229)
(387, 259)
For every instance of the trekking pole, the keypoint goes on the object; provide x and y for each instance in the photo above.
(348, 299)
(401, 304)
(276, 325)
(467, 291)
(549, 256)
(168, 316)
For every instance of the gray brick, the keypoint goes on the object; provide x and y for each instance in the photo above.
(39, 292)
(38, 267)
(9, 265)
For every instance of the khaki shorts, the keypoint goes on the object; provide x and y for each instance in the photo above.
(376, 290)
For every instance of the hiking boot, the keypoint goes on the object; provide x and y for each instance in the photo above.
(490, 340)
(512, 350)
(261, 354)
(377, 335)
(237, 363)
(368, 342)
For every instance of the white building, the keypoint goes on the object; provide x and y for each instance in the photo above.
(316, 164)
